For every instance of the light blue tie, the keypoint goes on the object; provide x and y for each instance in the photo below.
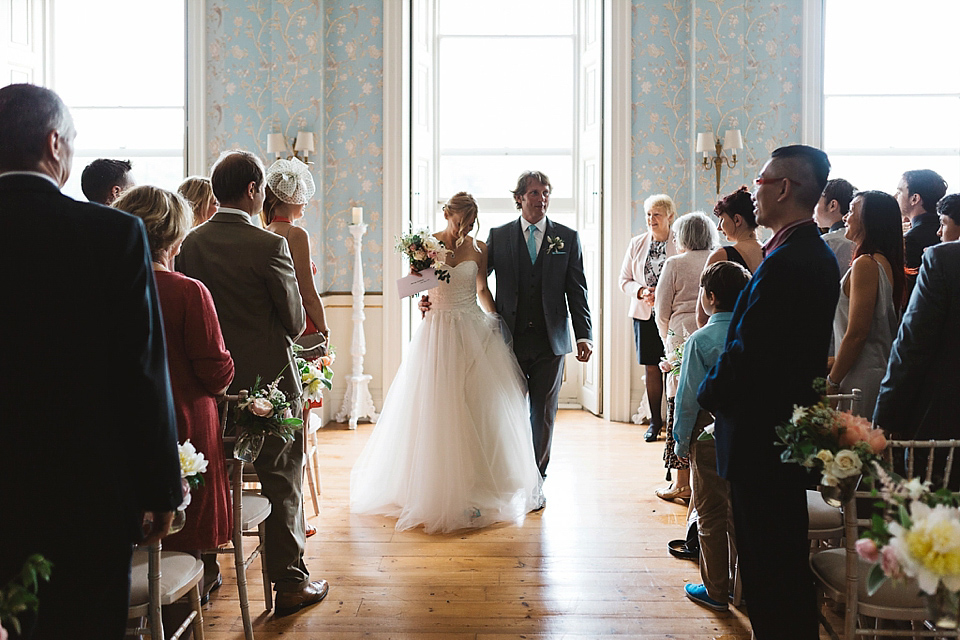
(532, 243)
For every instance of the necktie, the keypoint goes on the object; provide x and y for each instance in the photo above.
(532, 243)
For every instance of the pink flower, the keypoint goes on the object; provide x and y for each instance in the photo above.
(261, 407)
(3, 633)
(889, 562)
(876, 440)
(852, 429)
(867, 549)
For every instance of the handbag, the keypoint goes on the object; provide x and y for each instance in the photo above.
(312, 346)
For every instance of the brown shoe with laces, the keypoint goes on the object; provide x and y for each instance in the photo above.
(292, 601)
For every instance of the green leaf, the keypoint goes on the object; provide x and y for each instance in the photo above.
(875, 579)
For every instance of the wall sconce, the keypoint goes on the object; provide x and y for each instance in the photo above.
(706, 143)
(304, 143)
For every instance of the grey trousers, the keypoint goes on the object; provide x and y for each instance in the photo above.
(280, 468)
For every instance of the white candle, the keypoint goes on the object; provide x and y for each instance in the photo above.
(358, 215)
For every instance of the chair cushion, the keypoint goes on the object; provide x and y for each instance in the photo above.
(178, 572)
(830, 567)
(822, 516)
(256, 508)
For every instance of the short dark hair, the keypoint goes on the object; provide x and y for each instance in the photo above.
(810, 168)
(524, 180)
(28, 114)
(725, 280)
(233, 172)
(927, 184)
(950, 206)
(738, 203)
(840, 190)
(101, 176)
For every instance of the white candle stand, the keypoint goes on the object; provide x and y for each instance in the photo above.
(357, 401)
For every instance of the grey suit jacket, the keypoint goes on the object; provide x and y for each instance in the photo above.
(564, 283)
(918, 395)
(250, 274)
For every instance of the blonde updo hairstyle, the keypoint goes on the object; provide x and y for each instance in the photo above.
(199, 193)
(166, 215)
(464, 204)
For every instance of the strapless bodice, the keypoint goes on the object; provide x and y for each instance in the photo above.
(460, 294)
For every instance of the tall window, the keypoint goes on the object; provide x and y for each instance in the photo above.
(119, 66)
(891, 90)
(506, 74)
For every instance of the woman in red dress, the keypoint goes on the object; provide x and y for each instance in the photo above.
(200, 368)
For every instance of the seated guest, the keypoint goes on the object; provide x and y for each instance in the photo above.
(738, 223)
(871, 296)
(104, 179)
(199, 193)
(720, 284)
(200, 369)
(834, 204)
(918, 395)
(675, 309)
(949, 210)
(638, 279)
(917, 194)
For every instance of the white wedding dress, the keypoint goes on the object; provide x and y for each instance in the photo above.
(452, 449)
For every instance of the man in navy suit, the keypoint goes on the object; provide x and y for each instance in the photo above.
(88, 434)
(917, 193)
(776, 345)
(540, 287)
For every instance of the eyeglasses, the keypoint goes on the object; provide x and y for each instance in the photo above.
(761, 181)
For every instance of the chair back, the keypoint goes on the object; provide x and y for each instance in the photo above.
(846, 401)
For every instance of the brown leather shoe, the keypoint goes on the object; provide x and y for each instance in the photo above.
(292, 601)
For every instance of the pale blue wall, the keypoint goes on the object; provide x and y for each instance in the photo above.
(317, 65)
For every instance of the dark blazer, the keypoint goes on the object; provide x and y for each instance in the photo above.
(922, 234)
(918, 395)
(776, 345)
(87, 428)
(250, 274)
(564, 283)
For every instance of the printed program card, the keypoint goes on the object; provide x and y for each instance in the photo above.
(410, 285)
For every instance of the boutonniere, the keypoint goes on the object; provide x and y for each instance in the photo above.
(554, 245)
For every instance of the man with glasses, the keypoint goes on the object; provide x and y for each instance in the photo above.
(776, 345)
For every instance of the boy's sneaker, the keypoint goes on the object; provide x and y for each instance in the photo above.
(698, 593)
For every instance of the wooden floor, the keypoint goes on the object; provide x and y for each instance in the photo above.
(593, 564)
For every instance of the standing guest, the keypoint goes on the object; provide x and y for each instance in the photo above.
(720, 285)
(638, 279)
(675, 309)
(918, 395)
(777, 343)
(541, 287)
(200, 369)
(949, 210)
(199, 193)
(871, 296)
(104, 179)
(833, 205)
(79, 488)
(738, 224)
(251, 276)
(917, 194)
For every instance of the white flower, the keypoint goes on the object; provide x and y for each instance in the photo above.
(430, 243)
(828, 479)
(845, 463)
(710, 427)
(798, 413)
(935, 536)
(191, 460)
(915, 488)
(825, 456)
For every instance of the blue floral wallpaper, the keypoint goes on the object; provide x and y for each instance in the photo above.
(316, 65)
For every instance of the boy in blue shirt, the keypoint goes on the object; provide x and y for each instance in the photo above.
(720, 285)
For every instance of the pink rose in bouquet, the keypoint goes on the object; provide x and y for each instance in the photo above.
(261, 407)
(867, 549)
(851, 429)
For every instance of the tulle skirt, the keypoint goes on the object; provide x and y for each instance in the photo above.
(452, 449)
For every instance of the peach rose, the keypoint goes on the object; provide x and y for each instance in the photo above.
(261, 407)
(853, 428)
(867, 549)
(876, 439)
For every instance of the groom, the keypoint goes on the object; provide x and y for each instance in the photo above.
(539, 270)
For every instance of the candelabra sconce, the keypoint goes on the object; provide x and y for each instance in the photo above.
(706, 144)
(304, 143)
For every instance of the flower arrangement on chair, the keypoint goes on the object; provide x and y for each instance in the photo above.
(192, 466)
(315, 375)
(424, 251)
(264, 411)
(917, 536)
(837, 443)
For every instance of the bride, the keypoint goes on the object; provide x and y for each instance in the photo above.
(453, 448)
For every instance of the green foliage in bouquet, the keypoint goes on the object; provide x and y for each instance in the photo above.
(20, 594)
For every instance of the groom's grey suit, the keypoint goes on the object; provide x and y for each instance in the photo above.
(536, 302)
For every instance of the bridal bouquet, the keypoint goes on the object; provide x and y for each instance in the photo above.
(315, 375)
(424, 251)
(265, 411)
(672, 361)
(192, 465)
(918, 536)
(837, 443)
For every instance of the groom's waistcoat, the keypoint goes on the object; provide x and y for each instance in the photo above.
(529, 293)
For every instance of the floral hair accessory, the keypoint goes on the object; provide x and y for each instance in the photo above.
(291, 181)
